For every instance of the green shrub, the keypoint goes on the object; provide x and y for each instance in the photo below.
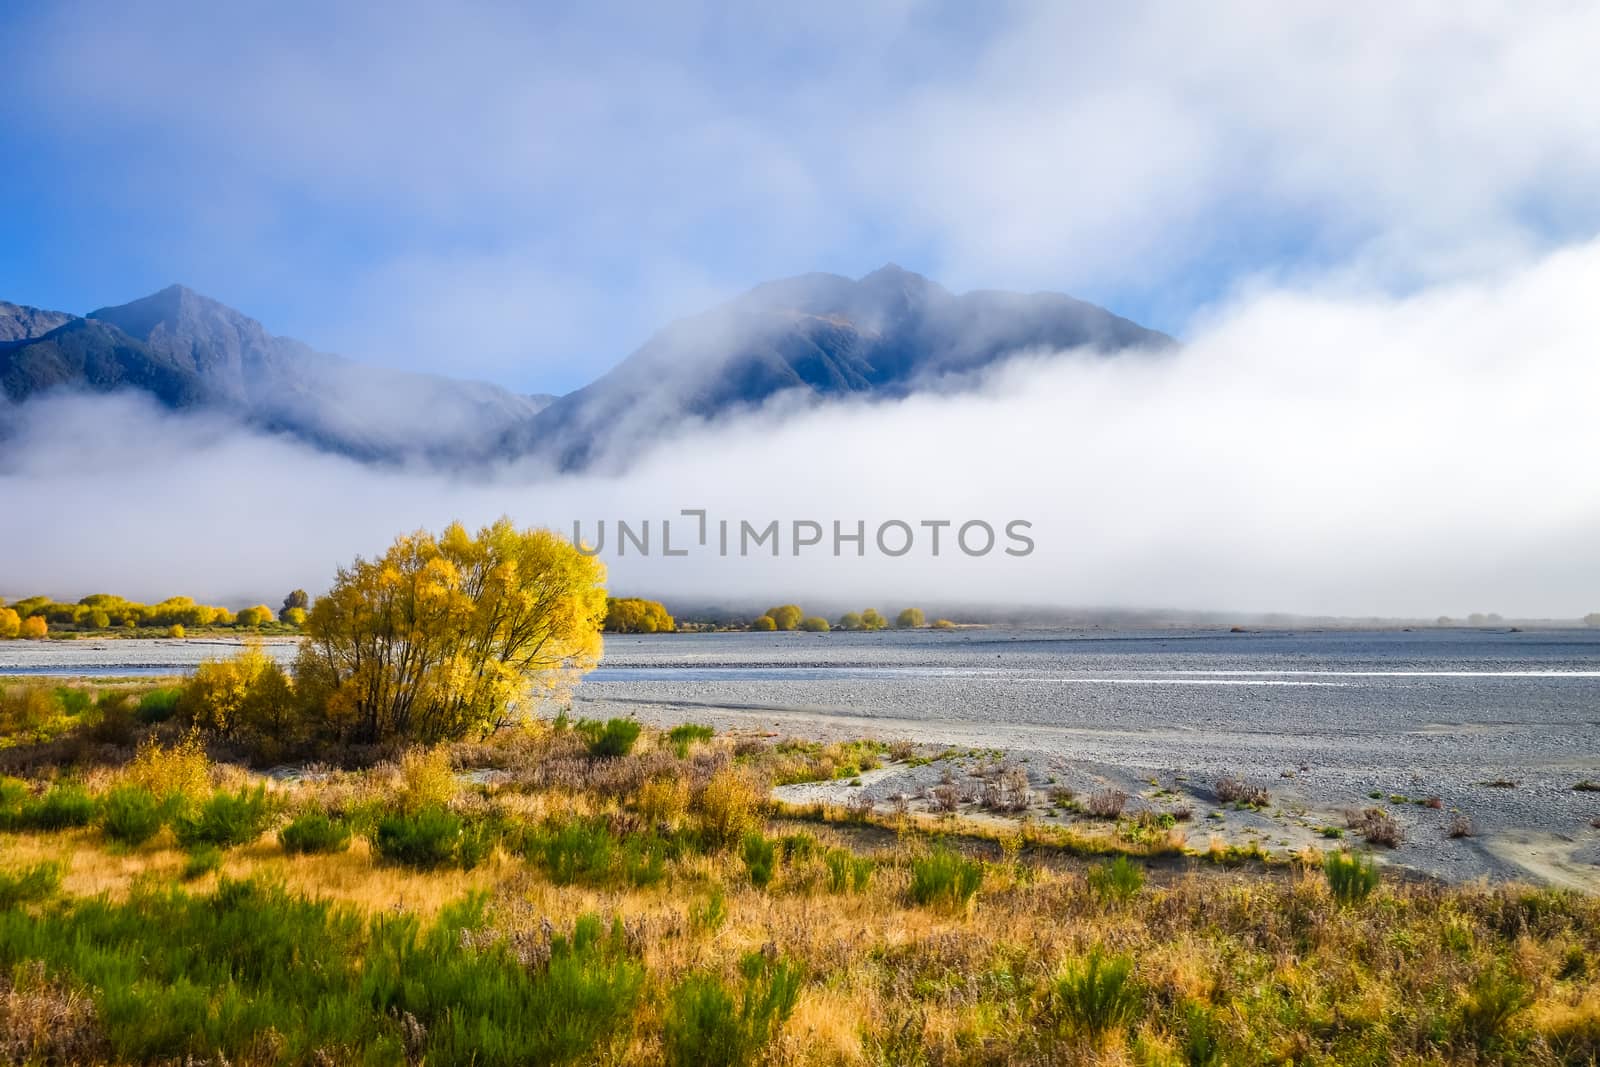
(1096, 996)
(1119, 879)
(1492, 1000)
(847, 871)
(1352, 878)
(158, 705)
(614, 737)
(686, 733)
(74, 702)
(225, 819)
(315, 831)
(181, 977)
(760, 858)
(705, 1026)
(27, 884)
(63, 807)
(579, 850)
(708, 917)
(131, 815)
(426, 839)
(945, 878)
(201, 862)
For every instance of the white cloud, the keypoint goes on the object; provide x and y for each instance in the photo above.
(1310, 450)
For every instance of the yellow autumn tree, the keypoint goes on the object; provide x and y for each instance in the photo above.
(33, 628)
(786, 617)
(10, 623)
(445, 636)
(632, 615)
(246, 695)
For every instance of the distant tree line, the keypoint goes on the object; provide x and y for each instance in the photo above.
(35, 617)
(791, 617)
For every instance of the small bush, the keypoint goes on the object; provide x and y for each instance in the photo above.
(1378, 827)
(63, 807)
(1096, 996)
(760, 858)
(730, 806)
(426, 839)
(158, 705)
(663, 801)
(1119, 879)
(613, 738)
(427, 780)
(687, 733)
(201, 862)
(580, 850)
(1485, 1013)
(1351, 878)
(1232, 790)
(131, 815)
(314, 831)
(1460, 826)
(708, 917)
(1107, 803)
(945, 878)
(180, 770)
(705, 1027)
(27, 884)
(847, 871)
(226, 819)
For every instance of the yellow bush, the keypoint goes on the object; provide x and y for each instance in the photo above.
(730, 805)
(427, 778)
(10, 623)
(246, 695)
(176, 630)
(33, 628)
(182, 769)
(663, 800)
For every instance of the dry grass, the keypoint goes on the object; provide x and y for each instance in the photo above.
(1271, 966)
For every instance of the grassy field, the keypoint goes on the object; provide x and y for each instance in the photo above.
(594, 893)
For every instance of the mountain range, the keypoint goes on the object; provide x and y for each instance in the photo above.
(815, 338)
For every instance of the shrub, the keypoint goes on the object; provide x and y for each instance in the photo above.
(426, 839)
(1096, 996)
(245, 696)
(1378, 827)
(63, 807)
(314, 831)
(1460, 826)
(613, 738)
(687, 733)
(1119, 879)
(180, 770)
(74, 702)
(23, 885)
(1106, 803)
(131, 815)
(730, 805)
(945, 878)
(872, 619)
(158, 705)
(704, 1025)
(10, 623)
(1485, 1012)
(847, 871)
(663, 801)
(709, 917)
(910, 619)
(177, 632)
(1232, 790)
(33, 628)
(763, 624)
(426, 779)
(943, 624)
(1351, 878)
(815, 624)
(580, 850)
(201, 862)
(225, 819)
(760, 858)
(850, 620)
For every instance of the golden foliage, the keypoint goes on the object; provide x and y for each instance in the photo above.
(663, 801)
(443, 636)
(730, 804)
(181, 769)
(247, 694)
(426, 778)
(631, 615)
(10, 623)
(33, 628)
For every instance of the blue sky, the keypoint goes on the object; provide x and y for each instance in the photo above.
(520, 194)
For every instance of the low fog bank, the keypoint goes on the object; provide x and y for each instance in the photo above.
(1316, 452)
